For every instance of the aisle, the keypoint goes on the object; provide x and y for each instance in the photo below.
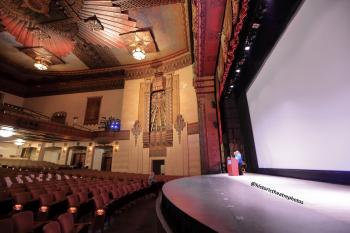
(140, 218)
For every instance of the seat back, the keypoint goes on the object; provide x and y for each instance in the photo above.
(66, 221)
(105, 198)
(6, 225)
(98, 202)
(73, 200)
(83, 197)
(23, 221)
(52, 227)
(46, 199)
(22, 198)
(59, 195)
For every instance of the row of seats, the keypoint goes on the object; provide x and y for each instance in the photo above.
(81, 194)
(23, 222)
(29, 164)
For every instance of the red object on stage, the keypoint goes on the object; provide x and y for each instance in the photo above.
(232, 166)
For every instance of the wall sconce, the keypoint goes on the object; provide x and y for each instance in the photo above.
(116, 147)
(90, 147)
(64, 147)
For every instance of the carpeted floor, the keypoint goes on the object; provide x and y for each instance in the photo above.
(139, 218)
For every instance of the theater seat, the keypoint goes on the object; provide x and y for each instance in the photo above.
(24, 222)
(52, 227)
(6, 225)
(66, 221)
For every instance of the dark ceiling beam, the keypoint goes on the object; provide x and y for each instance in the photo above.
(208, 21)
(132, 4)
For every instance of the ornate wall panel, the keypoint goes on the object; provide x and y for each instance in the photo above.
(158, 107)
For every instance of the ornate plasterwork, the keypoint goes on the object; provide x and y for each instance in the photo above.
(157, 93)
(132, 4)
(136, 130)
(38, 6)
(179, 125)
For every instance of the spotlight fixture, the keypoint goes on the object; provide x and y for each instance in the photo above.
(238, 70)
(247, 48)
(231, 86)
(6, 132)
(42, 63)
(255, 25)
(19, 142)
(139, 54)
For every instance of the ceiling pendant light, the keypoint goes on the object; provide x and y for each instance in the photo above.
(19, 142)
(139, 54)
(6, 132)
(42, 63)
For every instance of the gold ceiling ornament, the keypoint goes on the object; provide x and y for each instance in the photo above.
(139, 43)
(93, 23)
(38, 6)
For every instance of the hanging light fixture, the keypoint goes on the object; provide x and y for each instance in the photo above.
(139, 53)
(6, 132)
(42, 63)
(19, 142)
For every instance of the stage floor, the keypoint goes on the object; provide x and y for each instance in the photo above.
(231, 204)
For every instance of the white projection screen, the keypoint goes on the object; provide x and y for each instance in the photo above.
(299, 102)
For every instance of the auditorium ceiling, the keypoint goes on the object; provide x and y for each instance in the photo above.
(80, 38)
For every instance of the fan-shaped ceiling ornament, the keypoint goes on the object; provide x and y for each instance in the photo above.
(102, 23)
(29, 32)
(140, 39)
(30, 35)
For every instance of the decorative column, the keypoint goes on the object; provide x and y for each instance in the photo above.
(41, 151)
(208, 129)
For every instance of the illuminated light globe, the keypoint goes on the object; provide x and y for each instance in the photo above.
(41, 63)
(19, 142)
(6, 132)
(139, 54)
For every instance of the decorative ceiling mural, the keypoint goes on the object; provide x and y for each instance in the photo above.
(106, 31)
(56, 42)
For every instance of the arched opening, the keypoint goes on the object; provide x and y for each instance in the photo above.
(29, 152)
(52, 154)
(102, 159)
(76, 156)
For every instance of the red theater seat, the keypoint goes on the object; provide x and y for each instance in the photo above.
(24, 222)
(6, 225)
(66, 221)
(52, 227)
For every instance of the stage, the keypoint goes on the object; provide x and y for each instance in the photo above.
(256, 203)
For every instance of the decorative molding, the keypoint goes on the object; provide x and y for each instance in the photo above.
(132, 4)
(234, 42)
(74, 86)
(207, 21)
(136, 130)
(179, 125)
(159, 66)
(204, 85)
(192, 128)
